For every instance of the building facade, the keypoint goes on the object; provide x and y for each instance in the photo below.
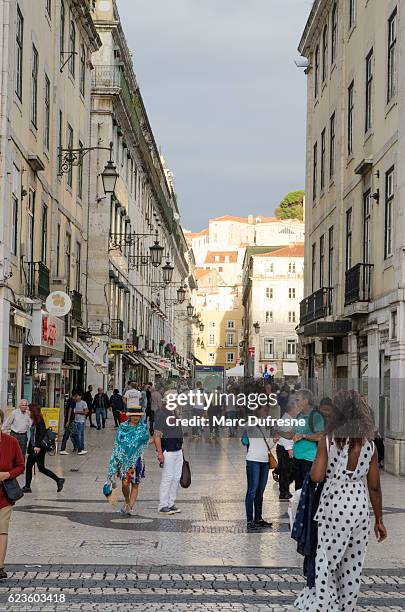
(134, 313)
(46, 49)
(352, 316)
(272, 291)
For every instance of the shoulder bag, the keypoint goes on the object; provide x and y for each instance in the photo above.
(12, 490)
(273, 464)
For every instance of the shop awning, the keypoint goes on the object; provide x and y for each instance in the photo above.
(87, 354)
(237, 372)
(290, 368)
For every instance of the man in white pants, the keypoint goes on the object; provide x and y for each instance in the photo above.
(168, 439)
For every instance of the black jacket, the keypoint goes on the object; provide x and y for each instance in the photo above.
(116, 402)
(101, 401)
(37, 434)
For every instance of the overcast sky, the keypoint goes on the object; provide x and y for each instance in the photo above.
(225, 100)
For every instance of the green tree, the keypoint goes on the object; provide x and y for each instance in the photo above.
(292, 206)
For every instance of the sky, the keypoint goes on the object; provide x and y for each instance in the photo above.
(225, 100)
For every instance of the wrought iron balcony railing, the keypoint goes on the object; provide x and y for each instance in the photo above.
(37, 279)
(316, 306)
(117, 329)
(76, 298)
(358, 284)
(106, 77)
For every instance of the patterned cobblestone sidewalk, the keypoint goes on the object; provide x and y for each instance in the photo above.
(177, 588)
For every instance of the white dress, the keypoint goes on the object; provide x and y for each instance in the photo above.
(343, 530)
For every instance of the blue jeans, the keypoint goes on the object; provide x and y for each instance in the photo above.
(66, 435)
(257, 474)
(101, 415)
(78, 436)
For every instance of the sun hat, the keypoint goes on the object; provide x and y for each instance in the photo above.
(134, 411)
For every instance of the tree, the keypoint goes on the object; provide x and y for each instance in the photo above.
(292, 207)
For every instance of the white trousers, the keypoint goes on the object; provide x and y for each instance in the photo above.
(171, 474)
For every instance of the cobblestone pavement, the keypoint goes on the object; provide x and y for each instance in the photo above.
(146, 562)
(100, 587)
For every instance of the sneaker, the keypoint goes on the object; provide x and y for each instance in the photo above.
(63, 453)
(26, 490)
(263, 523)
(285, 497)
(3, 573)
(61, 482)
(83, 452)
(252, 527)
(174, 509)
(166, 511)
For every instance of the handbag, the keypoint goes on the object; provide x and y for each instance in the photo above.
(185, 480)
(12, 490)
(273, 463)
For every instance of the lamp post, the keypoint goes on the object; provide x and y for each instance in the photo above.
(109, 177)
(190, 310)
(167, 272)
(181, 294)
(256, 327)
(156, 253)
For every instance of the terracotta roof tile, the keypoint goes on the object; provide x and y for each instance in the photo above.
(292, 250)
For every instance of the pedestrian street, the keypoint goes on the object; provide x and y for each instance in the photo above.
(75, 543)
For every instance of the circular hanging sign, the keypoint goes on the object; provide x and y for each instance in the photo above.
(58, 303)
(272, 370)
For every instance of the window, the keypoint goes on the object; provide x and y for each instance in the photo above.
(325, 53)
(269, 293)
(69, 174)
(334, 34)
(80, 175)
(230, 324)
(230, 357)
(350, 117)
(68, 257)
(316, 74)
(30, 225)
(72, 48)
(369, 91)
(323, 158)
(367, 227)
(321, 260)
(394, 325)
(44, 236)
(269, 316)
(47, 111)
(60, 143)
(14, 224)
(392, 56)
(349, 230)
(389, 200)
(352, 13)
(291, 293)
(291, 348)
(19, 39)
(211, 358)
(62, 29)
(313, 266)
(315, 171)
(57, 267)
(211, 340)
(34, 86)
(48, 6)
(291, 267)
(332, 146)
(330, 257)
(78, 266)
(82, 77)
(212, 324)
(291, 316)
(268, 347)
(230, 339)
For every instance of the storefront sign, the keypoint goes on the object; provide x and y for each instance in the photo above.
(58, 303)
(50, 365)
(48, 331)
(120, 347)
(51, 418)
(251, 351)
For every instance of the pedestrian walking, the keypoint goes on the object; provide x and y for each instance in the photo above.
(231, 412)
(257, 472)
(214, 412)
(80, 410)
(69, 426)
(132, 397)
(306, 436)
(117, 406)
(100, 405)
(18, 424)
(37, 451)
(156, 404)
(88, 398)
(127, 462)
(284, 452)
(346, 458)
(148, 412)
(168, 438)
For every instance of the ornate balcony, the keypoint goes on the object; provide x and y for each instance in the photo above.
(358, 284)
(117, 329)
(76, 306)
(37, 279)
(316, 306)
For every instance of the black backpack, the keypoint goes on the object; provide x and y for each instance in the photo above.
(49, 441)
(311, 419)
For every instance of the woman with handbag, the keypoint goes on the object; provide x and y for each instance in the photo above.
(11, 466)
(37, 450)
(257, 472)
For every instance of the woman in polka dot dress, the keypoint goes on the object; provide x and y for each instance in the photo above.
(346, 457)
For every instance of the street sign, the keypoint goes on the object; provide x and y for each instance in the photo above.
(121, 347)
(272, 370)
(251, 351)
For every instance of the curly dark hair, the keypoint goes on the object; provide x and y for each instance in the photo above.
(351, 419)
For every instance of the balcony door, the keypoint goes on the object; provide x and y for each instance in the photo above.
(367, 227)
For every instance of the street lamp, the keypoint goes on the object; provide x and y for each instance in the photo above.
(201, 327)
(109, 177)
(181, 294)
(167, 272)
(156, 253)
(256, 327)
(190, 310)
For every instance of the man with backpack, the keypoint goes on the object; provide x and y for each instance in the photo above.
(306, 436)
